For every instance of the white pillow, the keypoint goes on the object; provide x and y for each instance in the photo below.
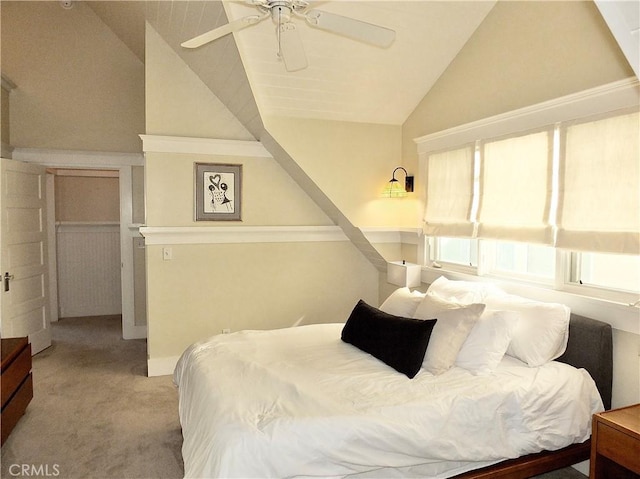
(454, 323)
(542, 331)
(402, 302)
(466, 292)
(487, 342)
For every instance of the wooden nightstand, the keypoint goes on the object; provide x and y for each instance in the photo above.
(615, 444)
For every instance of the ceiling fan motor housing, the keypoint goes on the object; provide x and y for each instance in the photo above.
(280, 11)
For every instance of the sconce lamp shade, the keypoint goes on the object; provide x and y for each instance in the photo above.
(402, 273)
(394, 189)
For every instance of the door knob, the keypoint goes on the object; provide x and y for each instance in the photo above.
(7, 277)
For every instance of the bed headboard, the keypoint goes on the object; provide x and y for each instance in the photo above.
(590, 347)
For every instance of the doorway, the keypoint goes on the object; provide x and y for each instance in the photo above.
(130, 200)
(87, 242)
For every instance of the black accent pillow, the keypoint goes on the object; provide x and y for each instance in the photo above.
(399, 342)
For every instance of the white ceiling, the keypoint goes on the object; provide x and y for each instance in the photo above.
(346, 80)
(352, 81)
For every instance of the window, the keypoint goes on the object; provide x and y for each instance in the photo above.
(450, 192)
(457, 251)
(530, 197)
(515, 188)
(599, 185)
(602, 270)
(523, 260)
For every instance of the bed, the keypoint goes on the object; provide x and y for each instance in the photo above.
(319, 401)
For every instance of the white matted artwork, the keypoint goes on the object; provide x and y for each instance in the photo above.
(218, 192)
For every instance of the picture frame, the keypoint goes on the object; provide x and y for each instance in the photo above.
(218, 192)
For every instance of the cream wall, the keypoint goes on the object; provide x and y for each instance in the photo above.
(351, 163)
(269, 195)
(212, 286)
(626, 368)
(78, 86)
(206, 288)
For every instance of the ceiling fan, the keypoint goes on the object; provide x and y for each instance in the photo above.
(290, 48)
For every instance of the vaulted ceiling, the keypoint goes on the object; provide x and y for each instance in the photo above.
(346, 80)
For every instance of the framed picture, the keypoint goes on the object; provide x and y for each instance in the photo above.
(218, 192)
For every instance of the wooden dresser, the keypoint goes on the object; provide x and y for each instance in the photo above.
(615, 444)
(17, 383)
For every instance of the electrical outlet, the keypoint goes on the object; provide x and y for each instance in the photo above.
(226, 331)
(167, 254)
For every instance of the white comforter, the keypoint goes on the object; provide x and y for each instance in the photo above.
(300, 402)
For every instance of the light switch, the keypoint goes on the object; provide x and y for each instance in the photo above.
(167, 254)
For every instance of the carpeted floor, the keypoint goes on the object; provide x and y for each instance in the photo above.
(95, 414)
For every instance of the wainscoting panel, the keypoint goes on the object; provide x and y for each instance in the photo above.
(88, 269)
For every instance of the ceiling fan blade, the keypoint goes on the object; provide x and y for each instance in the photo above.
(291, 49)
(230, 27)
(352, 28)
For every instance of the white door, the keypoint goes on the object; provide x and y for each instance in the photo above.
(23, 246)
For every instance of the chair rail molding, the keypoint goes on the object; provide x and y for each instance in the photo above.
(162, 235)
(392, 235)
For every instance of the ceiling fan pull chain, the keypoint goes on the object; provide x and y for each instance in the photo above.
(279, 54)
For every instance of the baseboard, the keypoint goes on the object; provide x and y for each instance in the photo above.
(161, 366)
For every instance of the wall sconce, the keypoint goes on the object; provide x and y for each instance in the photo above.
(394, 189)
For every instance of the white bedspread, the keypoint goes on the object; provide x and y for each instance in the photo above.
(300, 402)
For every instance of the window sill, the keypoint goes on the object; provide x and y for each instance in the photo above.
(620, 315)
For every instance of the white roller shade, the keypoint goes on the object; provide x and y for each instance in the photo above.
(449, 193)
(599, 203)
(515, 189)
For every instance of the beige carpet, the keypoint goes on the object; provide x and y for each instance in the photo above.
(95, 414)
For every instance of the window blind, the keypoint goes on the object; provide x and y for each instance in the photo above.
(450, 193)
(516, 189)
(599, 201)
